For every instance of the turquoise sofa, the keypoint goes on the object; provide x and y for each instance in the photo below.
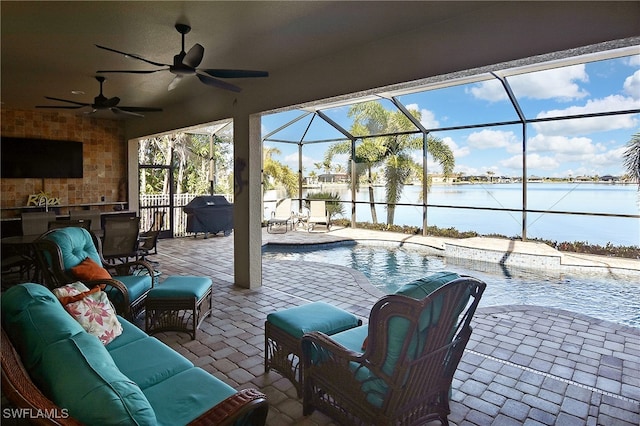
(54, 369)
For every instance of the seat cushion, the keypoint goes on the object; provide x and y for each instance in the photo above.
(137, 285)
(78, 374)
(130, 333)
(316, 316)
(352, 338)
(186, 395)
(134, 361)
(374, 388)
(179, 286)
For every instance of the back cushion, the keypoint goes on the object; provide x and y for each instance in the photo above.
(398, 327)
(69, 365)
(422, 287)
(33, 318)
(76, 244)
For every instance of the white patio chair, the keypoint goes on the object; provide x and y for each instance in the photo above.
(283, 215)
(318, 214)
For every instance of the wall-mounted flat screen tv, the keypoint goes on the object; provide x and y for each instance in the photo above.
(39, 158)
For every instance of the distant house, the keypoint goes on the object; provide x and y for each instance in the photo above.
(609, 178)
(333, 178)
(439, 178)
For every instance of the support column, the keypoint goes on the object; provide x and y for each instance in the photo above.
(247, 212)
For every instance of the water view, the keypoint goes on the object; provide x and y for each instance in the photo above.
(559, 197)
(612, 298)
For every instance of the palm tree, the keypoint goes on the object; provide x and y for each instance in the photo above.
(278, 173)
(369, 154)
(392, 153)
(632, 158)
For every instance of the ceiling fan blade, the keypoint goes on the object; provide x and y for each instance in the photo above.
(60, 107)
(223, 73)
(194, 56)
(122, 111)
(210, 81)
(66, 100)
(131, 55)
(139, 109)
(109, 103)
(174, 83)
(132, 71)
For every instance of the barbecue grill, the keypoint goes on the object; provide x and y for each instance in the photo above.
(209, 214)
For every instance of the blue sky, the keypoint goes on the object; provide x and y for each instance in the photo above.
(592, 146)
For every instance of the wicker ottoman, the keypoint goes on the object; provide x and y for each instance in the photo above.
(283, 331)
(179, 303)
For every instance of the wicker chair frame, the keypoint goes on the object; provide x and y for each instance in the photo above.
(51, 268)
(283, 353)
(417, 390)
(246, 407)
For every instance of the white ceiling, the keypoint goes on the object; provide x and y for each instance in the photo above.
(312, 49)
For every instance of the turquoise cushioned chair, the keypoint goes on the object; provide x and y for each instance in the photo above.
(59, 250)
(403, 375)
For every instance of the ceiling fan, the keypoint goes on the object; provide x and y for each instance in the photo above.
(101, 102)
(186, 63)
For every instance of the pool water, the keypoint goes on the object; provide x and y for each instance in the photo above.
(388, 267)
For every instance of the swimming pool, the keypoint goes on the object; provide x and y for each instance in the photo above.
(389, 266)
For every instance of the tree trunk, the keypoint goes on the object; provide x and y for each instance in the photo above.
(391, 211)
(374, 215)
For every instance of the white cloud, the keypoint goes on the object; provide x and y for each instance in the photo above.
(632, 85)
(467, 170)
(557, 83)
(458, 152)
(490, 90)
(487, 139)
(633, 61)
(612, 158)
(562, 145)
(427, 117)
(534, 161)
(594, 124)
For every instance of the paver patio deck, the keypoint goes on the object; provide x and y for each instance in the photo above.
(524, 364)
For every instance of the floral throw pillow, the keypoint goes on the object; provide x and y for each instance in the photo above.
(92, 309)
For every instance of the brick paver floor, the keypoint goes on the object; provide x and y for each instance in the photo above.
(524, 364)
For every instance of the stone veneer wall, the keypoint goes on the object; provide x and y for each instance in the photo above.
(104, 152)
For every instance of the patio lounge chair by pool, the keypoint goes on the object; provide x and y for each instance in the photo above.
(318, 214)
(283, 215)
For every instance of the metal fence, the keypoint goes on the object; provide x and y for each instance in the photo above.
(153, 205)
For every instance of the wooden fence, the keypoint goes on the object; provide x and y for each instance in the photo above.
(151, 205)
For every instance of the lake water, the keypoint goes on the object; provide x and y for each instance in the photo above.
(570, 197)
(388, 267)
